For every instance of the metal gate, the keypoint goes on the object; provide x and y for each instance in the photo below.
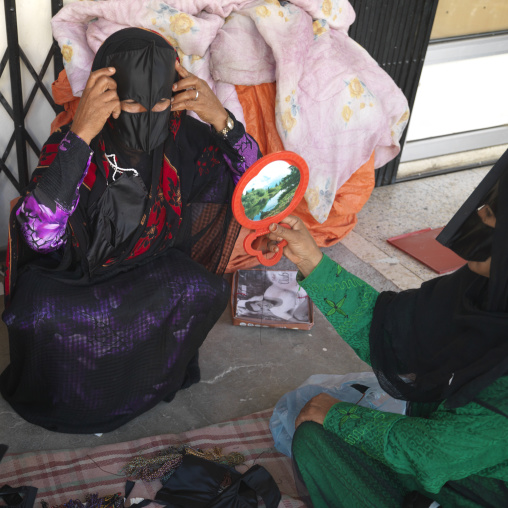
(396, 33)
(14, 55)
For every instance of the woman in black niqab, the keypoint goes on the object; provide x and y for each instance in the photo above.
(106, 317)
(442, 347)
(448, 340)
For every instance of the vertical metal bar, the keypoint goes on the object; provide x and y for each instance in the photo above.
(421, 46)
(56, 5)
(353, 28)
(407, 20)
(386, 30)
(386, 49)
(383, 31)
(407, 53)
(16, 90)
(414, 59)
(357, 28)
(368, 17)
(413, 44)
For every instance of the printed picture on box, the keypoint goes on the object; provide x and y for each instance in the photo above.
(271, 295)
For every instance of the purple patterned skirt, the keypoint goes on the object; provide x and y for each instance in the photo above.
(87, 359)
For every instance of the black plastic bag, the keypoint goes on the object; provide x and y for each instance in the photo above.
(199, 483)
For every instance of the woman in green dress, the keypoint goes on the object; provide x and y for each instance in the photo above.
(444, 349)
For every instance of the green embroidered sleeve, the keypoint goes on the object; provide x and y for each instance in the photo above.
(449, 445)
(345, 300)
(361, 427)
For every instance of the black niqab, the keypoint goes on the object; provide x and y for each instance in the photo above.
(466, 234)
(145, 73)
(448, 340)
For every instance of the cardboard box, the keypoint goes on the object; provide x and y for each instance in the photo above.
(270, 298)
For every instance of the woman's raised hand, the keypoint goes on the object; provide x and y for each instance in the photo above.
(194, 94)
(98, 102)
(301, 249)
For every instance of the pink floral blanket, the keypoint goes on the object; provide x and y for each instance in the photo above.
(334, 104)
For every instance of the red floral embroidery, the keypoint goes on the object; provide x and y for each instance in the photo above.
(36, 178)
(105, 165)
(167, 237)
(92, 173)
(167, 192)
(208, 160)
(90, 176)
(110, 261)
(175, 121)
(170, 184)
(48, 154)
(154, 225)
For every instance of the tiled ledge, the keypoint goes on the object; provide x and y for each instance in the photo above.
(402, 208)
(388, 266)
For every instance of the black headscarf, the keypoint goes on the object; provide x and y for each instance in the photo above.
(448, 340)
(145, 72)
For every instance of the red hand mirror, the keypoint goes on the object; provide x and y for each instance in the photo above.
(269, 191)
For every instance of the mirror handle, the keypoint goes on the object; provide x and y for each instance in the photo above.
(249, 239)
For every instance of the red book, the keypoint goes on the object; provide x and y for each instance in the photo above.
(423, 246)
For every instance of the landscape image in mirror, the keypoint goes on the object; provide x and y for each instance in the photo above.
(271, 191)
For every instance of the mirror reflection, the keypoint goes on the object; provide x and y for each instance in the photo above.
(271, 190)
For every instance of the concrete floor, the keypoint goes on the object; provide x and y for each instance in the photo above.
(247, 369)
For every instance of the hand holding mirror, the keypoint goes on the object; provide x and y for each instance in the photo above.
(269, 191)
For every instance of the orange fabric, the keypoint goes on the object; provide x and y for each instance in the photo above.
(258, 103)
(62, 94)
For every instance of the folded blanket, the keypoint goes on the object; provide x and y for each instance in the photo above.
(334, 105)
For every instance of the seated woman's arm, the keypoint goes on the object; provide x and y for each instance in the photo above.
(240, 149)
(54, 191)
(191, 93)
(44, 211)
(345, 300)
(449, 445)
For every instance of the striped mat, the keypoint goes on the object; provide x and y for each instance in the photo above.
(72, 474)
